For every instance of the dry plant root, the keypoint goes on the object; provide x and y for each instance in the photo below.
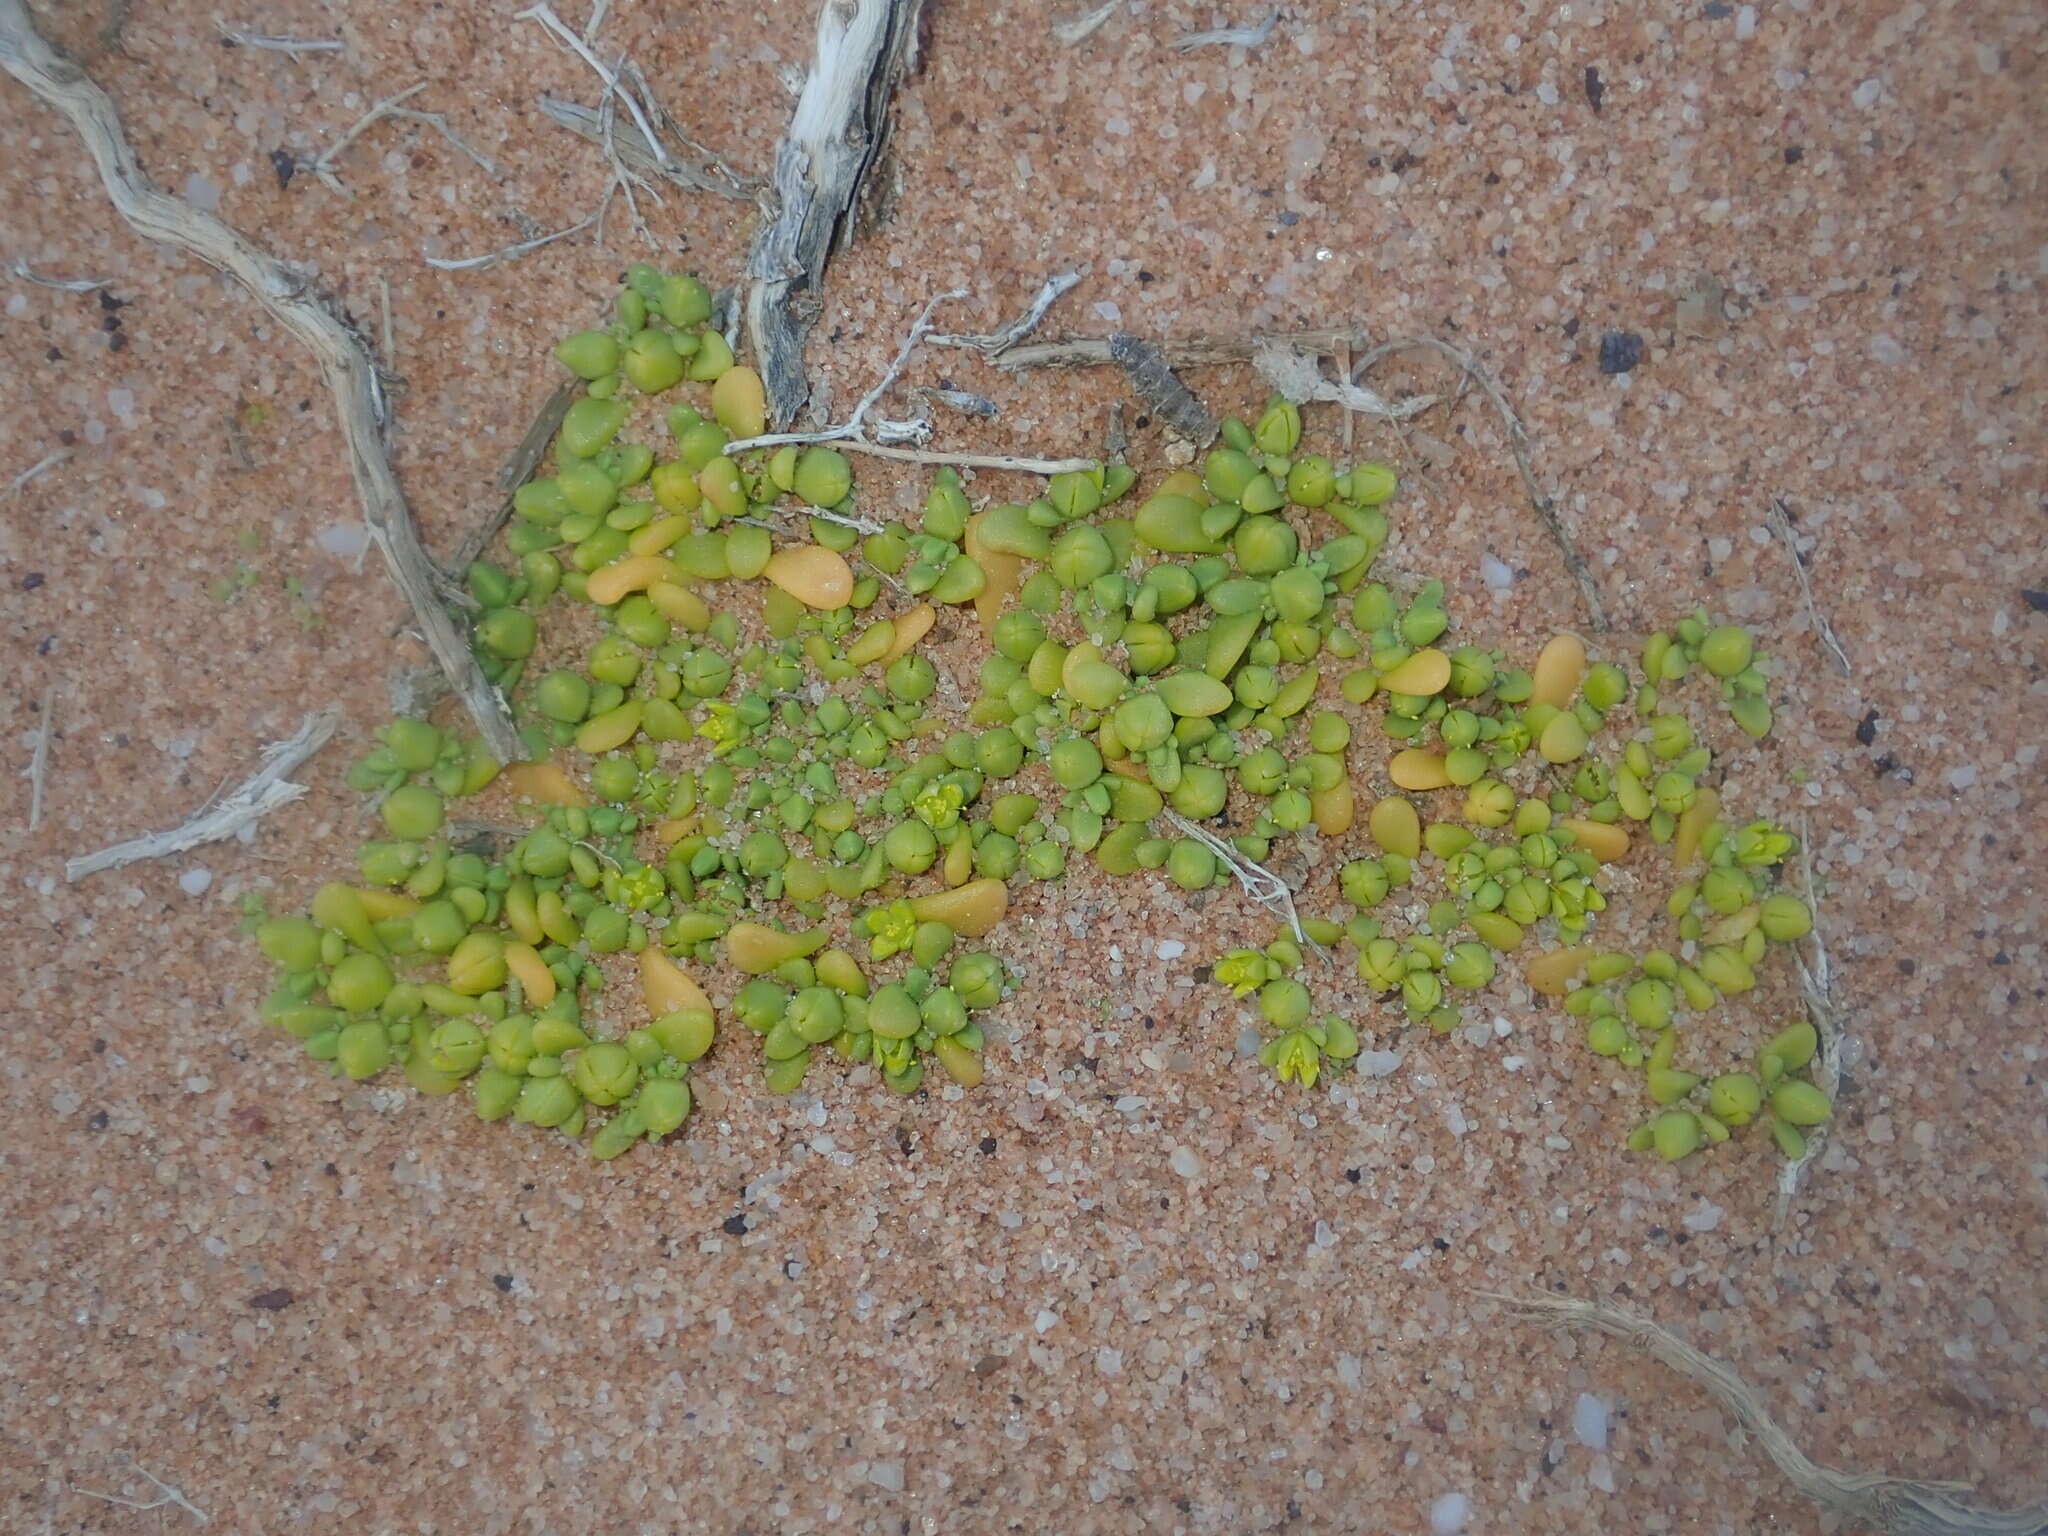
(345, 360)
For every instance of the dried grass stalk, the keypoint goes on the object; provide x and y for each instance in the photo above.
(1894, 1505)
(261, 793)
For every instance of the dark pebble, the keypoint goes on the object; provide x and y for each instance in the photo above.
(1620, 351)
(2035, 599)
(271, 1301)
(281, 161)
(1595, 87)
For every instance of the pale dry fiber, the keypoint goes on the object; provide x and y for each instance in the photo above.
(168, 1496)
(1817, 988)
(256, 797)
(1298, 375)
(995, 343)
(1781, 525)
(904, 439)
(392, 108)
(39, 758)
(1896, 1506)
(28, 274)
(345, 361)
(1257, 881)
(1229, 37)
(1077, 29)
(291, 47)
(703, 172)
(1540, 500)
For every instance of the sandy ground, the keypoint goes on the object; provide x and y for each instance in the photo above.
(324, 1307)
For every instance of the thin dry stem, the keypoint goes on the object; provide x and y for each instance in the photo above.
(324, 166)
(390, 336)
(1816, 986)
(1896, 1506)
(1259, 882)
(261, 793)
(392, 107)
(346, 363)
(1298, 376)
(168, 1495)
(853, 435)
(545, 15)
(42, 466)
(510, 252)
(1076, 30)
(517, 469)
(1229, 37)
(1781, 524)
(934, 456)
(1518, 445)
(39, 758)
(707, 173)
(28, 274)
(291, 47)
(1200, 352)
(995, 343)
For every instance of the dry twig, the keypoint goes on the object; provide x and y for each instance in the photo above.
(837, 134)
(517, 469)
(1518, 445)
(995, 343)
(350, 370)
(1894, 1505)
(41, 467)
(1298, 376)
(1229, 37)
(1201, 352)
(1259, 882)
(1781, 524)
(508, 253)
(39, 758)
(545, 15)
(291, 47)
(168, 1495)
(1076, 30)
(904, 439)
(28, 274)
(392, 107)
(705, 173)
(261, 793)
(1817, 988)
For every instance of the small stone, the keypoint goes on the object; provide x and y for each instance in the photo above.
(886, 1474)
(194, 881)
(1045, 1320)
(1620, 351)
(1185, 1161)
(1449, 1513)
(271, 1301)
(1589, 1422)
